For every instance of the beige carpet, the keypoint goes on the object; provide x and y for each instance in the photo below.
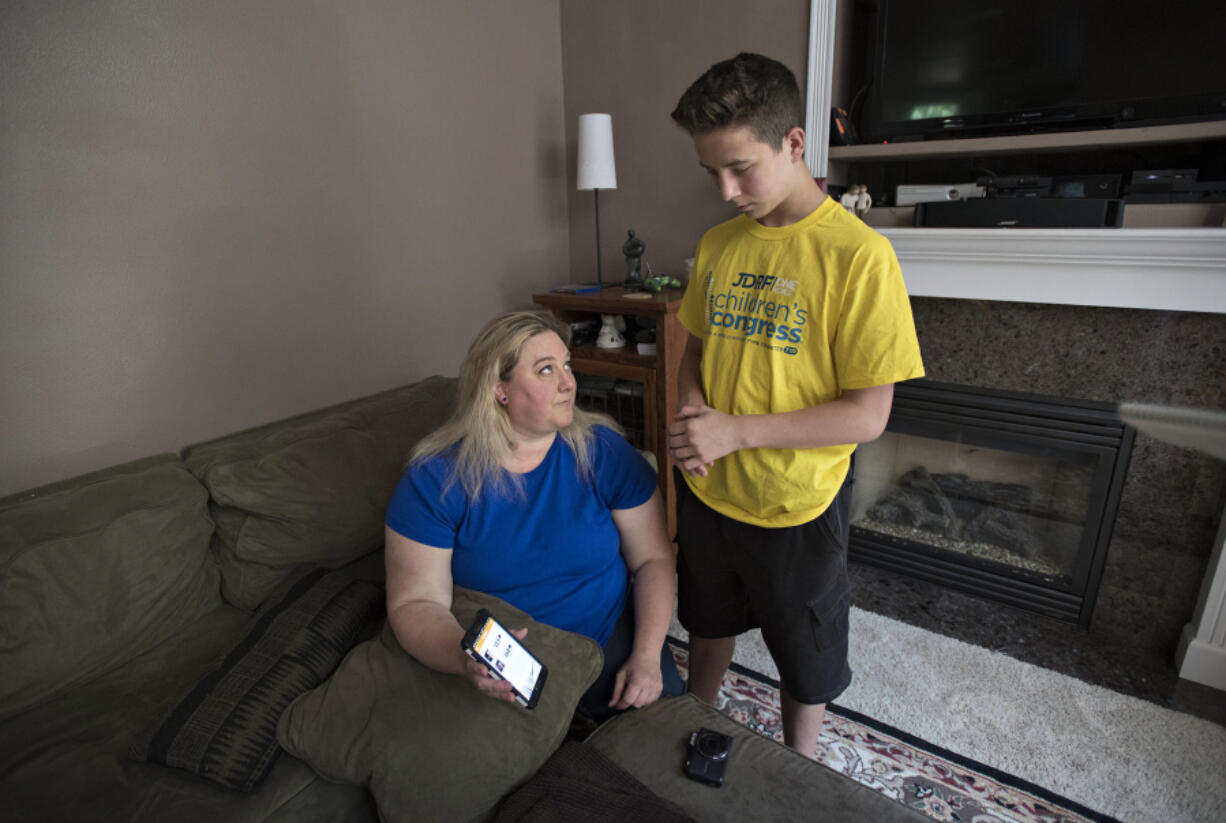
(1118, 755)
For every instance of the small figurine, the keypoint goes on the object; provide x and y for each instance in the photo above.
(611, 336)
(633, 248)
(864, 202)
(848, 200)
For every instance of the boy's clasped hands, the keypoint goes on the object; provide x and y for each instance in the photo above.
(700, 435)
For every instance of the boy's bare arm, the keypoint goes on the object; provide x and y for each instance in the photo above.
(690, 396)
(701, 435)
(689, 375)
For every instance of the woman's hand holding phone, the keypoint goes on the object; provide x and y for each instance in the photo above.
(481, 676)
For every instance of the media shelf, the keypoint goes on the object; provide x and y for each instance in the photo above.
(1120, 152)
(1136, 216)
(1023, 143)
(845, 73)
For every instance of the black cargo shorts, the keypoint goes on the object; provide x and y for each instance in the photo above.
(790, 582)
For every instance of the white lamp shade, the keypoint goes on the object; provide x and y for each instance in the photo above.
(596, 167)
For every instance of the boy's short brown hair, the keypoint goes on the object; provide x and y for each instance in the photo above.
(748, 90)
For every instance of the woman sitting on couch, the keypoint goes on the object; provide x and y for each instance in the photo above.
(546, 506)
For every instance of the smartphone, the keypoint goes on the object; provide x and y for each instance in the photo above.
(488, 642)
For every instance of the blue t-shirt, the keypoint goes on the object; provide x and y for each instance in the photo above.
(555, 553)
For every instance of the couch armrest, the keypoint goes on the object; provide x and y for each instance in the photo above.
(765, 780)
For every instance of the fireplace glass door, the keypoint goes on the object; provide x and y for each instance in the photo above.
(1003, 495)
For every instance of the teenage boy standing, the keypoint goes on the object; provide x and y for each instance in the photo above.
(799, 327)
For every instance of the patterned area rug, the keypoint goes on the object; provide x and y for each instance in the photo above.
(937, 782)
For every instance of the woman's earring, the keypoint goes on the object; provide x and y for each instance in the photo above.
(503, 399)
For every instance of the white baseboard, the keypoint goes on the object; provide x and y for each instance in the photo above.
(1201, 662)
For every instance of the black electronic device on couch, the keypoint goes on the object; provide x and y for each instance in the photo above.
(707, 758)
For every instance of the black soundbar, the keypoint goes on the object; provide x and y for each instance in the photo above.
(1022, 213)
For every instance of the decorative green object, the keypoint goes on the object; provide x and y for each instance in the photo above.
(657, 284)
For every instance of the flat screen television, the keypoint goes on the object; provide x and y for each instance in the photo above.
(948, 68)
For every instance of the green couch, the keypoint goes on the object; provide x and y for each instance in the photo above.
(121, 589)
(199, 637)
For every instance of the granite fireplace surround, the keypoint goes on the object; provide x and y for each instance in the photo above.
(1172, 498)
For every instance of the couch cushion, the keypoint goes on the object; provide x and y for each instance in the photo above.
(429, 745)
(311, 490)
(225, 727)
(65, 760)
(97, 570)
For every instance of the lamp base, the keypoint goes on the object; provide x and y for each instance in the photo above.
(596, 200)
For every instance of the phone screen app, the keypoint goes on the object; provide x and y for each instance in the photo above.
(511, 660)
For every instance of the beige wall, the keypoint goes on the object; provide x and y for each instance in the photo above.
(633, 60)
(217, 214)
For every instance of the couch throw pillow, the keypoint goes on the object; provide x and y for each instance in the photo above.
(312, 490)
(428, 744)
(225, 728)
(95, 571)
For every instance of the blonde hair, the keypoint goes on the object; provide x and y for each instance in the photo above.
(479, 428)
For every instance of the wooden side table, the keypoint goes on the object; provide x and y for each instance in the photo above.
(657, 373)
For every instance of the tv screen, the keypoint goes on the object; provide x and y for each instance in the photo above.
(946, 68)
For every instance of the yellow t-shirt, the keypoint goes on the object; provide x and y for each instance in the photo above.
(791, 317)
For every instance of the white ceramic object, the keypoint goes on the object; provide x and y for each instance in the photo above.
(611, 336)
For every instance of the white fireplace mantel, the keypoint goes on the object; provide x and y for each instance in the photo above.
(1164, 269)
